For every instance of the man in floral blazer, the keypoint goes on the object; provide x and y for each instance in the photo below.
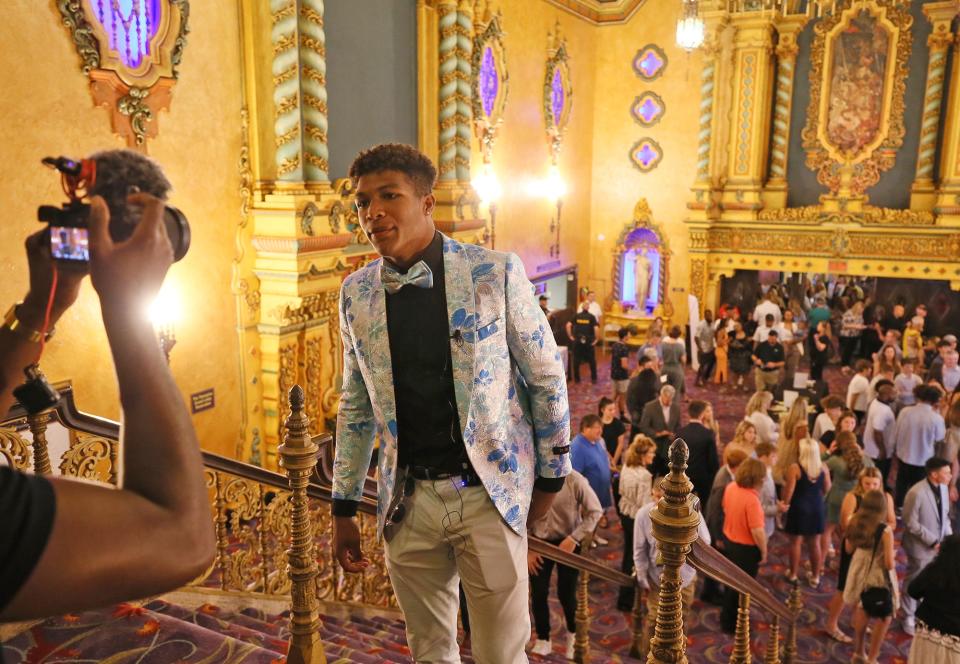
(450, 363)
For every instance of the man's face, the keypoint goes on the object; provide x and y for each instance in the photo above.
(395, 218)
(708, 316)
(593, 433)
(666, 399)
(898, 310)
(950, 359)
(591, 296)
(772, 339)
(941, 476)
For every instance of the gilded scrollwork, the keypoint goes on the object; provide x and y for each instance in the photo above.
(75, 20)
(91, 458)
(242, 501)
(15, 449)
(277, 521)
(312, 368)
(134, 106)
(317, 306)
(815, 214)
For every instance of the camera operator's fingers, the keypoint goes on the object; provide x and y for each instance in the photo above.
(151, 219)
(99, 227)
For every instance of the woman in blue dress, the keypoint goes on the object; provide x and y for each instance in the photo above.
(805, 485)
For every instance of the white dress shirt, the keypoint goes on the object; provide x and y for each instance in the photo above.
(645, 551)
(822, 425)
(916, 433)
(880, 419)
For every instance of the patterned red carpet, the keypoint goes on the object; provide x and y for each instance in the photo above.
(611, 629)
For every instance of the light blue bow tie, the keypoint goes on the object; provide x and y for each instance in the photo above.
(419, 275)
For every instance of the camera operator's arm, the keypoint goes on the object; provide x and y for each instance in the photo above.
(155, 534)
(17, 350)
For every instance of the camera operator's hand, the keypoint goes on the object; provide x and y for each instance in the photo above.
(129, 274)
(69, 276)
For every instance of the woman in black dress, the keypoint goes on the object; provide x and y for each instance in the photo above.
(739, 352)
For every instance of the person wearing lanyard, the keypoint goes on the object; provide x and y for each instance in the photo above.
(925, 524)
(769, 359)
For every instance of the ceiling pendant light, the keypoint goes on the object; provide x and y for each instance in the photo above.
(690, 29)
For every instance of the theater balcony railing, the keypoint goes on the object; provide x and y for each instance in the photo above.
(274, 534)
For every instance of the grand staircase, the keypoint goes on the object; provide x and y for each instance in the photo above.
(161, 631)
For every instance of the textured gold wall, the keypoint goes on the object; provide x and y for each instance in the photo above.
(616, 183)
(46, 109)
(522, 152)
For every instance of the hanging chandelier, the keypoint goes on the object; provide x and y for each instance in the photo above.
(690, 29)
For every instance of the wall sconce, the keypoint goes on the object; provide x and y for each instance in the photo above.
(555, 189)
(489, 190)
(164, 312)
(690, 28)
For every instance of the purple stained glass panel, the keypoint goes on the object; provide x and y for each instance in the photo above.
(130, 26)
(489, 81)
(646, 154)
(650, 62)
(557, 96)
(649, 110)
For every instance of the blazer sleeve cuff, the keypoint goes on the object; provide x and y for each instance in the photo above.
(549, 484)
(344, 507)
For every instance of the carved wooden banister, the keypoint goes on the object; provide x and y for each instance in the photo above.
(299, 456)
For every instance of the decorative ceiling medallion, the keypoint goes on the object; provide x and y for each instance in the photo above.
(600, 12)
(490, 78)
(646, 154)
(130, 49)
(557, 91)
(857, 84)
(650, 62)
(648, 109)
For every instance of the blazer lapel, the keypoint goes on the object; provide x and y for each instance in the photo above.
(378, 354)
(461, 314)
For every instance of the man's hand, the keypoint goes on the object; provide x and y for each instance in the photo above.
(69, 276)
(954, 494)
(540, 504)
(534, 562)
(128, 275)
(568, 544)
(661, 434)
(346, 544)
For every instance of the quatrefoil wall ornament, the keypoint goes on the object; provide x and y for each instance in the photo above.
(650, 62)
(130, 50)
(648, 109)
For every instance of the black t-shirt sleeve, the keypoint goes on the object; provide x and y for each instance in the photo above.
(28, 505)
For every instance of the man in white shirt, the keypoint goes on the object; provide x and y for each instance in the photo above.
(594, 308)
(878, 429)
(906, 382)
(648, 572)
(767, 307)
(767, 323)
(950, 373)
(832, 406)
(858, 391)
(918, 430)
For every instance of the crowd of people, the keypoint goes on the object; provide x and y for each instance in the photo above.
(849, 479)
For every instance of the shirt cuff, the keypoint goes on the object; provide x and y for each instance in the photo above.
(549, 484)
(343, 507)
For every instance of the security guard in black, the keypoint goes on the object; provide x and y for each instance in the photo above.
(583, 334)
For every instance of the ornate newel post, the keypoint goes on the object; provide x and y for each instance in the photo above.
(794, 603)
(38, 428)
(675, 524)
(299, 455)
(741, 642)
(772, 655)
(581, 642)
(788, 27)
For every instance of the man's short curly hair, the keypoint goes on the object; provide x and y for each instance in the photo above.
(396, 157)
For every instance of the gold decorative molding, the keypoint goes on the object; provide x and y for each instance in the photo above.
(600, 12)
(870, 215)
(848, 173)
(15, 449)
(557, 91)
(91, 458)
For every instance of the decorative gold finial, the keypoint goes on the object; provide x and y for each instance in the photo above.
(741, 643)
(772, 655)
(794, 603)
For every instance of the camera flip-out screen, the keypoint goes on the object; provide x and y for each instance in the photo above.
(69, 244)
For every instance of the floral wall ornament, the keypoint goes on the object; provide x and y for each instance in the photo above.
(648, 109)
(130, 49)
(650, 62)
(490, 80)
(646, 154)
(557, 91)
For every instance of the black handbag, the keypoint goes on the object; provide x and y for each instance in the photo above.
(877, 602)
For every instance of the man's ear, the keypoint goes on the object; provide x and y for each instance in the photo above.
(429, 203)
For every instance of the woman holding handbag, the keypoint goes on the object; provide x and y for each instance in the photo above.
(869, 586)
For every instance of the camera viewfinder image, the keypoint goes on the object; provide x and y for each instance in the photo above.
(69, 244)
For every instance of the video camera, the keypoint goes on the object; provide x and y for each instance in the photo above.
(114, 175)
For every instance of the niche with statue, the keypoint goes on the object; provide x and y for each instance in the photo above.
(641, 275)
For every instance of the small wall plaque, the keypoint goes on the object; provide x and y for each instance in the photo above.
(202, 401)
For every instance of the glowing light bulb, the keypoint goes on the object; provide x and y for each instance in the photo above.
(165, 310)
(487, 186)
(554, 186)
(690, 28)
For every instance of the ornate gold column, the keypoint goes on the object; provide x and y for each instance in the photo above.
(703, 207)
(923, 194)
(948, 195)
(299, 459)
(750, 116)
(788, 27)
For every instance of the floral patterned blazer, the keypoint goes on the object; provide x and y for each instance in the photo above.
(508, 379)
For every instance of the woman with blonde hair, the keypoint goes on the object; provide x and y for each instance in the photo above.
(757, 415)
(870, 543)
(788, 453)
(807, 481)
(745, 436)
(796, 415)
(870, 479)
(636, 484)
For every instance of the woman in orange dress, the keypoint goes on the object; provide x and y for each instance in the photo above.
(721, 374)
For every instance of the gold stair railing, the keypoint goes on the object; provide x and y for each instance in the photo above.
(273, 534)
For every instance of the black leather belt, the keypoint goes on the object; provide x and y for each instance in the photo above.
(467, 478)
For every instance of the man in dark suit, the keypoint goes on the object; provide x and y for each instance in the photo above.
(659, 419)
(701, 440)
(643, 387)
